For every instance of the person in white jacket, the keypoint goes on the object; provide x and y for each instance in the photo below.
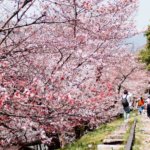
(126, 103)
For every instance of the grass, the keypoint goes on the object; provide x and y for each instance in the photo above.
(92, 139)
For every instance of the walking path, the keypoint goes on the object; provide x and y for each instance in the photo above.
(142, 133)
(116, 140)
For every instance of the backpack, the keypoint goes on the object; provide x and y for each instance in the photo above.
(125, 101)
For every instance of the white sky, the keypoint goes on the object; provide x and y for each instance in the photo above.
(143, 16)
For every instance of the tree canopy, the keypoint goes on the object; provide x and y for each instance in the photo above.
(62, 65)
(144, 54)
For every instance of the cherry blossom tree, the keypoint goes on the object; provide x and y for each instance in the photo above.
(60, 62)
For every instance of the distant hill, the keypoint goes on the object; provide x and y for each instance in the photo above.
(138, 42)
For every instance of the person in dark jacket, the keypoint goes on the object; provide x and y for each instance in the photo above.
(148, 106)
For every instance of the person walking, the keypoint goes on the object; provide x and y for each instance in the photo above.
(140, 105)
(148, 106)
(126, 98)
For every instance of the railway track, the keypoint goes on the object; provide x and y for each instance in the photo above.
(131, 137)
(116, 141)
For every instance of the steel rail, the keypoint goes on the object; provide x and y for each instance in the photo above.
(131, 138)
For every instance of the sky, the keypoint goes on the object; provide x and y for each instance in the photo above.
(142, 21)
(143, 15)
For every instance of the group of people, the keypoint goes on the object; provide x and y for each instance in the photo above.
(128, 104)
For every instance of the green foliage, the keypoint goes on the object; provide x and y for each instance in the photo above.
(144, 54)
(147, 34)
